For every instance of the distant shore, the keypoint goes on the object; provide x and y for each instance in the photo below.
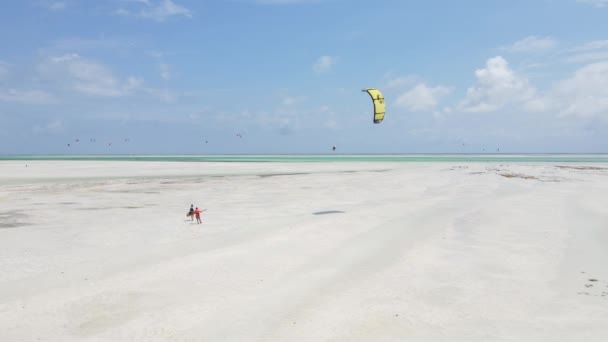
(456, 157)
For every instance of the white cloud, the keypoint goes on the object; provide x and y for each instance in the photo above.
(585, 94)
(324, 64)
(587, 57)
(591, 51)
(532, 43)
(497, 85)
(596, 3)
(165, 9)
(593, 45)
(26, 96)
(421, 97)
(88, 77)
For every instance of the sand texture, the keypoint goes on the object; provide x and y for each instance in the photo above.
(343, 251)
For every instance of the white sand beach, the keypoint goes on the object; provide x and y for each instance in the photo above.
(344, 251)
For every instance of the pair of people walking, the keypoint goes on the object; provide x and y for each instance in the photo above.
(195, 213)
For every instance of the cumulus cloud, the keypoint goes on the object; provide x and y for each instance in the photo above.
(585, 94)
(324, 64)
(421, 97)
(88, 77)
(497, 85)
(532, 43)
(582, 95)
(164, 10)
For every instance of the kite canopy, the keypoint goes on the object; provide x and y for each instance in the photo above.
(379, 105)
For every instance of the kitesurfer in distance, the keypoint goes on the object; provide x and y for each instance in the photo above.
(191, 212)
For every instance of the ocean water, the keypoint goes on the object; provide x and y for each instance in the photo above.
(399, 158)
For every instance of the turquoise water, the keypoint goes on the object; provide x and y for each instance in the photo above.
(550, 158)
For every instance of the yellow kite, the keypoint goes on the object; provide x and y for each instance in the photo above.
(379, 105)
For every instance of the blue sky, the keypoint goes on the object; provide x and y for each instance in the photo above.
(285, 76)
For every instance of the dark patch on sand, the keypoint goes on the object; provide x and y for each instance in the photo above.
(283, 174)
(457, 167)
(594, 291)
(518, 175)
(12, 219)
(592, 168)
(328, 212)
(524, 176)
